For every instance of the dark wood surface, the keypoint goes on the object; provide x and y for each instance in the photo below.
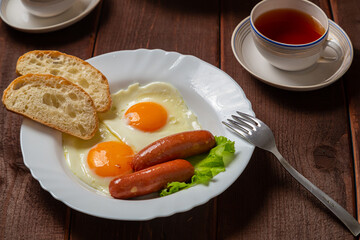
(318, 132)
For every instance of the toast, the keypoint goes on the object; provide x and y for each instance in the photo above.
(53, 101)
(70, 67)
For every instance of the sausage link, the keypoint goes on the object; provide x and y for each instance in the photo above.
(180, 145)
(151, 179)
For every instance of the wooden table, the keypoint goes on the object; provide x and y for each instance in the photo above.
(318, 131)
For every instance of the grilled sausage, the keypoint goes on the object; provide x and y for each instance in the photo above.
(151, 179)
(180, 145)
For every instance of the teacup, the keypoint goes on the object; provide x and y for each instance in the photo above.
(47, 8)
(288, 55)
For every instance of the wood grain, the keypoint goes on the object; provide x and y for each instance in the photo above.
(347, 16)
(317, 132)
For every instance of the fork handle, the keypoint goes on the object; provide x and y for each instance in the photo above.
(350, 222)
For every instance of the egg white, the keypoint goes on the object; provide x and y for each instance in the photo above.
(113, 127)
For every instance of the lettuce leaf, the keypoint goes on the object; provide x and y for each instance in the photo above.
(206, 166)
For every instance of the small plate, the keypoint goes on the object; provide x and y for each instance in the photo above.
(209, 92)
(14, 14)
(315, 77)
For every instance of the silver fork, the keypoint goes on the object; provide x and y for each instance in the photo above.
(259, 134)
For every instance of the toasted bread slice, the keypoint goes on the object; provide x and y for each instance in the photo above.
(73, 69)
(53, 101)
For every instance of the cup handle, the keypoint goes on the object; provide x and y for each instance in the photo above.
(335, 46)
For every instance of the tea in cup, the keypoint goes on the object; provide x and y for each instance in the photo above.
(47, 8)
(292, 34)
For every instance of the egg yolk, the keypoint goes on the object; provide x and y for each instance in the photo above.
(109, 159)
(146, 116)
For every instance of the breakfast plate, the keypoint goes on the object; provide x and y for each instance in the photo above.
(15, 15)
(208, 92)
(315, 77)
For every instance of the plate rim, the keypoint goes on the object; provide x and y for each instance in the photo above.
(137, 202)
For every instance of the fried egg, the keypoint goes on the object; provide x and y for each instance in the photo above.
(139, 116)
(98, 160)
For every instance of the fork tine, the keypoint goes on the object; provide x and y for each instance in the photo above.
(244, 122)
(240, 126)
(236, 130)
(249, 118)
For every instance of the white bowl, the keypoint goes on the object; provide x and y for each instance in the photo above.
(208, 91)
(47, 8)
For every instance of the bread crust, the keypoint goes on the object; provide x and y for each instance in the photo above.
(55, 54)
(28, 78)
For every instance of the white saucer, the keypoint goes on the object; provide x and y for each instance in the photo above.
(13, 13)
(318, 76)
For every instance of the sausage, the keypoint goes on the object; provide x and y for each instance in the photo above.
(151, 179)
(180, 145)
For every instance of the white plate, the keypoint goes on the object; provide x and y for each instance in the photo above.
(318, 76)
(209, 92)
(14, 14)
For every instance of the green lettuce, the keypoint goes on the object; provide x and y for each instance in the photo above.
(206, 166)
